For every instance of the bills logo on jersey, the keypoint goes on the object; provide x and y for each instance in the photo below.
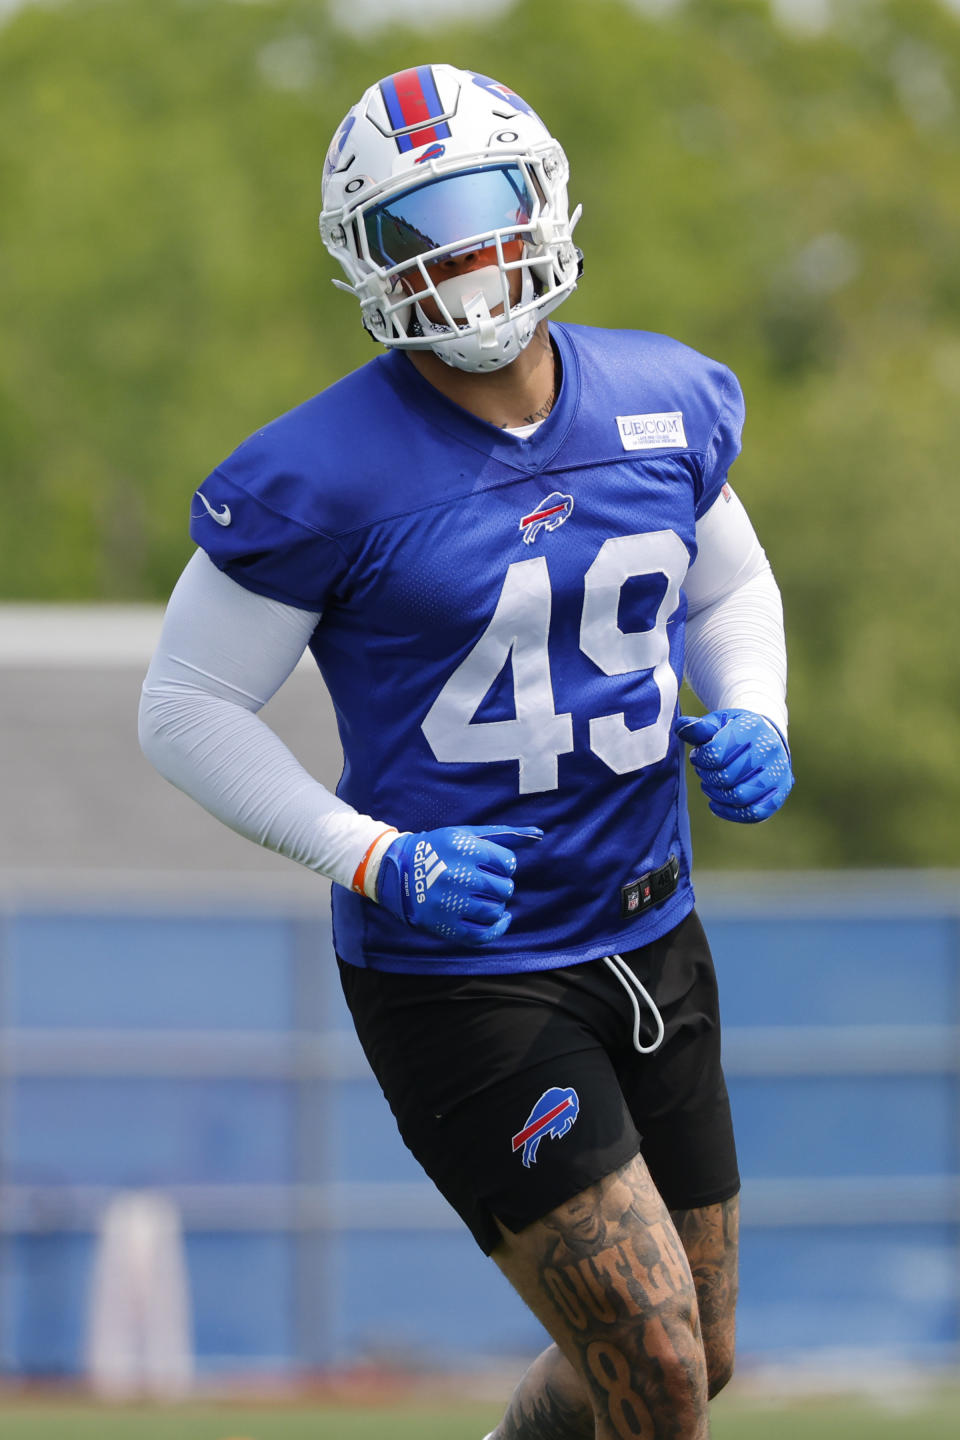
(554, 1114)
(547, 516)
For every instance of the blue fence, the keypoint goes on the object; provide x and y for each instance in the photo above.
(206, 1051)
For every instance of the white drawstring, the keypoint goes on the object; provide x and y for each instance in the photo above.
(619, 967)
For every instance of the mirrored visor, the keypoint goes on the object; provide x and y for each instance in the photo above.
(442, 212)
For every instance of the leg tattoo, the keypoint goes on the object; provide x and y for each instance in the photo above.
(608, 1276)
(710, 1237)
(550, 1403)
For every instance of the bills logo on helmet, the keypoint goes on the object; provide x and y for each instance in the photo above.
(338, 142)
(547, 516)
(432, 152)
(515, 101)
(554, 1114)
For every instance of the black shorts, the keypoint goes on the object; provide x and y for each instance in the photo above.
(515, 1092)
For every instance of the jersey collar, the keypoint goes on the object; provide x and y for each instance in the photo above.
(531, 454)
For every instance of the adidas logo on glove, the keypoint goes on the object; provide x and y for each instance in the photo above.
(427, 867)
(475, 869)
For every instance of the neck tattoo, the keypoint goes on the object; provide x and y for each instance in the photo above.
(550, 401)
(544, 410)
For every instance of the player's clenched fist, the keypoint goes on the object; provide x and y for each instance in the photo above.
(455, 882)
(742, 761)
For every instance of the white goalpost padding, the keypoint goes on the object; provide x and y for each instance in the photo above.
(139, 1326)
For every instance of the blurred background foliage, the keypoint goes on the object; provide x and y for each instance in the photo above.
(779, 193)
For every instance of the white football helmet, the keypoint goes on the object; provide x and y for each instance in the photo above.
(445, 201)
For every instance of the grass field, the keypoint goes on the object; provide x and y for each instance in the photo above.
(933, 1417)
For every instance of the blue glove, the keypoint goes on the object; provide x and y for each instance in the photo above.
(454, 882)
(742, 760)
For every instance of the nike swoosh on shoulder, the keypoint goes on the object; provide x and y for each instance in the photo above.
(222, 517)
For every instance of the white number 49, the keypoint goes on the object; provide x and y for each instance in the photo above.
(519, 632)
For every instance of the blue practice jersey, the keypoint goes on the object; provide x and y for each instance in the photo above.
(502, 621)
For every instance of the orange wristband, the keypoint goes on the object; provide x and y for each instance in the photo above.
(361, 871)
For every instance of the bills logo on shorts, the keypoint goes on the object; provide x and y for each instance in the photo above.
(547, 516)
(554, 1114)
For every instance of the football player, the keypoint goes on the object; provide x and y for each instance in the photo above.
(505, 541)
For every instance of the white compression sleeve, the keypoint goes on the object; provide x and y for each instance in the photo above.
(735, 649)
(223, 653)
